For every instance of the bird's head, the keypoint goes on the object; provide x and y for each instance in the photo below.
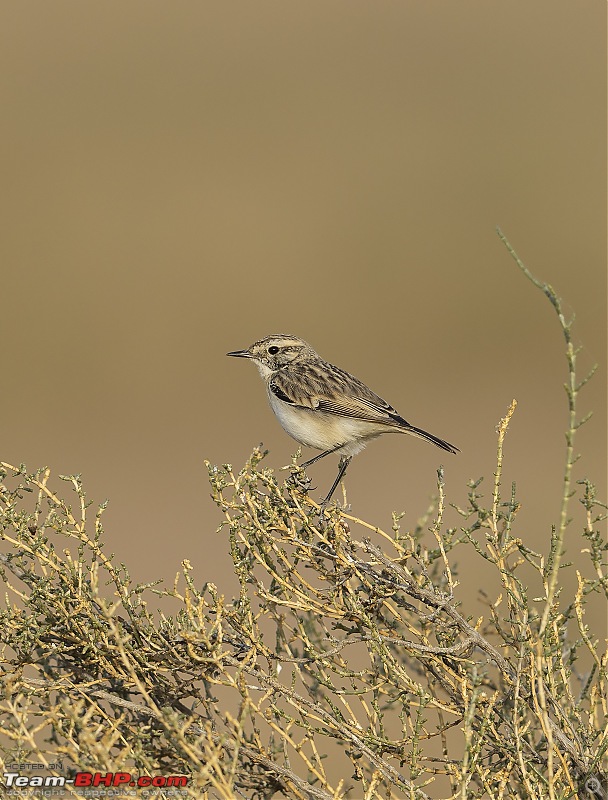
(275, 352)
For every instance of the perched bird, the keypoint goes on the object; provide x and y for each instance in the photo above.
(323, 406)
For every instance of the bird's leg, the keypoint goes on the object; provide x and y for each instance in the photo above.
(342, 467)
(314, 460)
(304, 483)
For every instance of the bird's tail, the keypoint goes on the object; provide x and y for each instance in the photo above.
(430, 438)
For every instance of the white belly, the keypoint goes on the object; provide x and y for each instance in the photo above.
(324, 431)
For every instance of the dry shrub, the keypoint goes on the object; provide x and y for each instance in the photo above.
(344, 640)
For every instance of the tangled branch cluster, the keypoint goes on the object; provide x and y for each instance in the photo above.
(347, 667)
(352, 645)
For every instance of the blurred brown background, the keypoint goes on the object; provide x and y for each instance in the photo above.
(180, 179)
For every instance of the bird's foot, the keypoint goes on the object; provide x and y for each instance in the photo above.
(299, 480)
(328, 503)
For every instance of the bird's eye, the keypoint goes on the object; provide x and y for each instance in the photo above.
(273, 350)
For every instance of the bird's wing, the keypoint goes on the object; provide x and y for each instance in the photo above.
(331, 390)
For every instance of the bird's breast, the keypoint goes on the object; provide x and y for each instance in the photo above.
(323, 431)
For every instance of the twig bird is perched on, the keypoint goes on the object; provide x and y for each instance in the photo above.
(323, 406)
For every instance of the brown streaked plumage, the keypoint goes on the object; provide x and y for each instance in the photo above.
(323, 406)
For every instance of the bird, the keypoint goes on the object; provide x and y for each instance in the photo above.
(322, 406)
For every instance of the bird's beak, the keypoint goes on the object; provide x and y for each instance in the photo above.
(240, 354)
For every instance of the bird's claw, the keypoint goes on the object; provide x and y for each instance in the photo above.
(300, 480)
